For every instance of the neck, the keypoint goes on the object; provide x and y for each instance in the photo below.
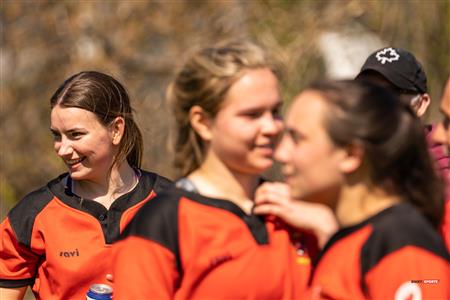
(120, 181)
(359, 202)
(216, 180)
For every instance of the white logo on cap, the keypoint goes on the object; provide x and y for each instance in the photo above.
(387, 55)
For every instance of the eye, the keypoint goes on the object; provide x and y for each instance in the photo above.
(253, 114)
(294, 135)
(75, 135)
(56, 135)
(446, 122)
(276, 112)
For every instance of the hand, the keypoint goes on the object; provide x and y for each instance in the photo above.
(273, 198)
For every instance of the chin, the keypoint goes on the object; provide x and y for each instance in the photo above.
(77, 175)
(262, 168)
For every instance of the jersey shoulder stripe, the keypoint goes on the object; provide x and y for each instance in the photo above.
(23, 215)
(397, 227)
(159, 183)
(157, 221)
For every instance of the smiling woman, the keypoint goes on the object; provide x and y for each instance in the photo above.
(57, 239)
(201, 240)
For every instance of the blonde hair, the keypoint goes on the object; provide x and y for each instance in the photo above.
(204, 80)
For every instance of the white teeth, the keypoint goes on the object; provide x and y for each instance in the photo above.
(73, 161)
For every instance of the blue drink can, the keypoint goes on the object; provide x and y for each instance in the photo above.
(99, 291)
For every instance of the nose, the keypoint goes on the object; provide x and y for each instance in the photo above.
(63, 148)
(272, 125)
(283, 150)
(440, 135)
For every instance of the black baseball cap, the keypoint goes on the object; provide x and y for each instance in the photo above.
(398, 66)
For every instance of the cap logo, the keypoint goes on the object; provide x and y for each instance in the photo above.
(387, 55)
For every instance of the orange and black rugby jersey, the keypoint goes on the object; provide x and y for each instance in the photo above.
(182, 245)
(60, 245)
(395, 254)
(445, 227)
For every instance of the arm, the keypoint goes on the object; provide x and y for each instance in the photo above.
(274, 198)
(17, 263)
(13, 293)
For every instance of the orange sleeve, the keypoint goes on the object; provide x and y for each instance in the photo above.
(18, 263)
(407, 273)
(143, 269)
(445, 228)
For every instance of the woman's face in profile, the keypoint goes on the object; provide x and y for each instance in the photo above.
(82, 142)
(246, 129)
(310, 160)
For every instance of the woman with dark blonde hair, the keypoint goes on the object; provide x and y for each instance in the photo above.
(58, 238)
(354, 147)
(201, 240)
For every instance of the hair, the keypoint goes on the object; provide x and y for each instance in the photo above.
(104, 96)
(204, 80)
(392, 137)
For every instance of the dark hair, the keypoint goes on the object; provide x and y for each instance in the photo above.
(107, 99)
(204, 80)
(393, 139)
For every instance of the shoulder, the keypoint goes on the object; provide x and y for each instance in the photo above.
(23, 215)
(157, 215)
(157, 182)
(163, 207)
(399, 227)
(157, 220)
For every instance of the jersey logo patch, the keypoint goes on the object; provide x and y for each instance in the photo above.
(387, 55)
(69, 253)
(408, 291)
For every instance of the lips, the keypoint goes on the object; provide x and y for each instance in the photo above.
(72, 162)
(265, 149)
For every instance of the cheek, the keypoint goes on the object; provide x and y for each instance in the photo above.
(235, 134)
(100, 146)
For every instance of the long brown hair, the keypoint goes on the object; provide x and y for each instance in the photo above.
(393, 139)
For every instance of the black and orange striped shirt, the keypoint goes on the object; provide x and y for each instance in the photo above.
(395, 254)
(60, 245)
(182, 245)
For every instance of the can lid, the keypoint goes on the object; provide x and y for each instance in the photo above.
(101, 289)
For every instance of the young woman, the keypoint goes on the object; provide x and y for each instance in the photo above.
(58, 238)
(355, 148)
(442, 136)
(201, 240)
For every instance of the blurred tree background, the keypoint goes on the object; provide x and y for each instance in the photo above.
(142, 42)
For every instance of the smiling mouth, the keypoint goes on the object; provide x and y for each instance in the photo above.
(72, 162)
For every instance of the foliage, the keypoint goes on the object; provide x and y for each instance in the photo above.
(143, 42)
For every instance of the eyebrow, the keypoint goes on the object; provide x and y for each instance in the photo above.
(262, 107)
(68, 131)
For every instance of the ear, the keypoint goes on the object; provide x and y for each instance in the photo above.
(200, 122)
(353, 159)
(423, 104)
(117, 128)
